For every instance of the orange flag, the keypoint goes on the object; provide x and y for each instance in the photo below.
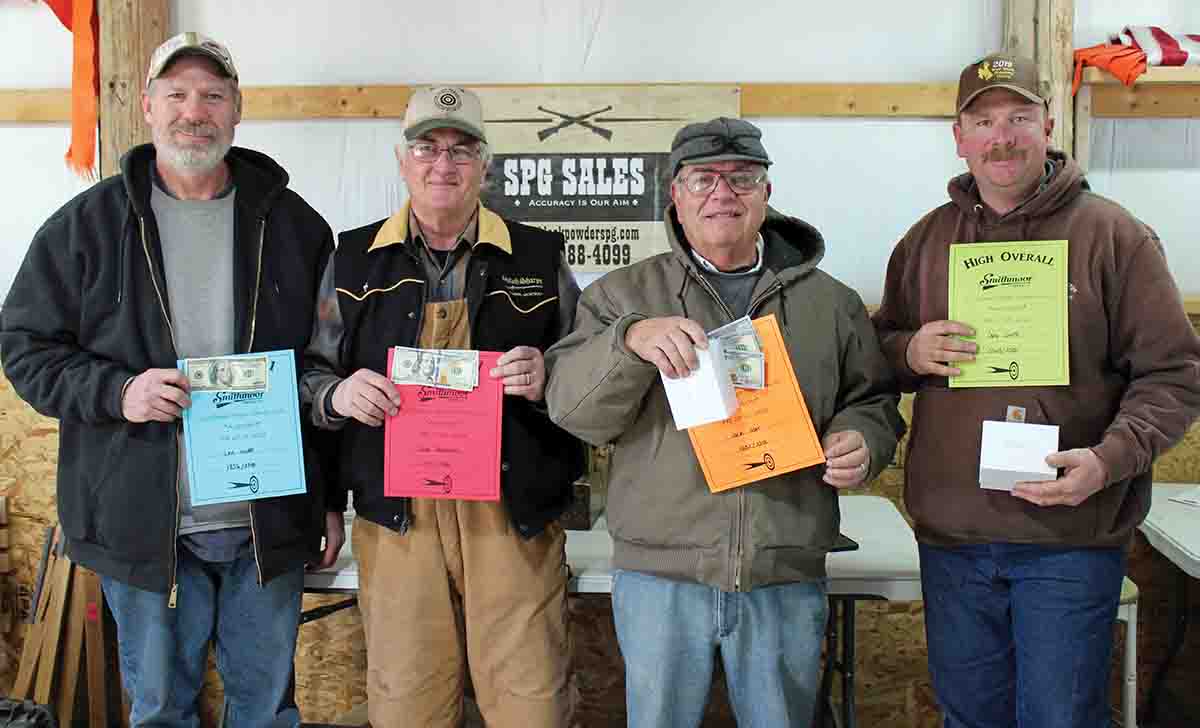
(79, 17)
(1124, 62)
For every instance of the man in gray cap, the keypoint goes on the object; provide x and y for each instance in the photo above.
(742, 570)
(197, 249)
(1021, 588)
(451, 588)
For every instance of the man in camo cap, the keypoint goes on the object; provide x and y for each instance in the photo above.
(197, 249)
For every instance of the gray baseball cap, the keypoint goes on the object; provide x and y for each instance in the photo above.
(190, 44)
(443, 107)
(719, 140)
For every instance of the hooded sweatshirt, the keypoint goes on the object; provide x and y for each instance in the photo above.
(663, 517)
(1134, 367)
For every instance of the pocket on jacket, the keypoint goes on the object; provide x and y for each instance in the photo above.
(131, 502)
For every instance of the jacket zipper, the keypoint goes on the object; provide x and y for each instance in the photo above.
(262, 236)
(738, 530)
(173, 598)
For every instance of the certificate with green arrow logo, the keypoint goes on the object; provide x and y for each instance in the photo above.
(1015, 297)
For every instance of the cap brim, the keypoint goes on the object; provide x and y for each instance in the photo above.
(428, 125)
(727, 157)
(192, 51)
(1034, 98)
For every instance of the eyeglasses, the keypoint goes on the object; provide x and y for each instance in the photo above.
(423, 151)
(743, 181)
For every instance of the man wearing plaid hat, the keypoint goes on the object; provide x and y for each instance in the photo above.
(1021, 587)
(196, 249)
(740, 572)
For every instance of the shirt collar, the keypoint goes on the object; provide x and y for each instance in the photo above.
(489, 228)
(758, 262)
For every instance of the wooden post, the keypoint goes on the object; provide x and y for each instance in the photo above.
(1055, 58)
(1020, 31)
(130, 30)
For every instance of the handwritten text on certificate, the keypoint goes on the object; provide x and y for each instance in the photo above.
(1015, 297)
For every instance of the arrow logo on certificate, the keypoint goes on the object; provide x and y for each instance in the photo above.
(768, 462)
(252, 484)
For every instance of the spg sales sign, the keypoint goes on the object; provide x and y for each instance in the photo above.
(590, 162)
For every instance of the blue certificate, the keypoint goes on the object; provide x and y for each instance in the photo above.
(242, 432)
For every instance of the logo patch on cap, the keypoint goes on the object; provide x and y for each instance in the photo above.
(447, 99)
(999, 69)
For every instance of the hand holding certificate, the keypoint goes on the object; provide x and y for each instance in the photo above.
(1015, 297)
(444, 442)
(770, 434)
(242, 432)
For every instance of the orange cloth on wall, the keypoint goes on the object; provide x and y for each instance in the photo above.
(79, 16)
(1124, 62)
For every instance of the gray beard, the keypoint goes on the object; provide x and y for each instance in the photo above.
(192, 160)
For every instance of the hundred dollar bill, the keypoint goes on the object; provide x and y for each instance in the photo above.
(747, 370)
(242, 374)
(738, 336)
(446, 368)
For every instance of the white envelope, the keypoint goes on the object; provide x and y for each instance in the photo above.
(1015, 451)
(706, 395)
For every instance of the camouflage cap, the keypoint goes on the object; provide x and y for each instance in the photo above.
(999, 70)
(190, 44)
(719, 140)
(443, 107)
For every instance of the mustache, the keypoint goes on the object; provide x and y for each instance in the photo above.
(1003, 154)
(195, 129)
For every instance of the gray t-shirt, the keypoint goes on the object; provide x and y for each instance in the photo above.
(197, 246)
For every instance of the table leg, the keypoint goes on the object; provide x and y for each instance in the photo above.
(1178, 634)
(848, 712)
(824, 713)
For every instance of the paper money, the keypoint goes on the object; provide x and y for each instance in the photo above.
(738, 336)
(747, 370)
(743, 353)
(445, 368)
(242, 374)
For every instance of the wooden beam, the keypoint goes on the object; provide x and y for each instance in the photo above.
(1144, 100)
(1168, 92)
(1082, 145)
(1153, 76)
(1020, 27)
(323, 102)
(849, 100)
(1055, 59)
(1191, 304)
(130, 30)
(35, 105)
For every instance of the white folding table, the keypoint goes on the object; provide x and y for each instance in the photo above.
(883, 566)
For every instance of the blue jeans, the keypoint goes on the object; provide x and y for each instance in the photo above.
(769, 638)
(1021, 635)
(164, 652)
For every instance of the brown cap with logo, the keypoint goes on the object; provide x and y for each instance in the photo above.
(443, 107)
(190, 44)
(999, 70)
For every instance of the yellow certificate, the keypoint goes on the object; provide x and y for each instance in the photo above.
(770, 434)
(1015, 297)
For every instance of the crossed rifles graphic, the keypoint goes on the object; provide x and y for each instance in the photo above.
(569, 120)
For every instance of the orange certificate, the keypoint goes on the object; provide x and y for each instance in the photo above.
(770, 434)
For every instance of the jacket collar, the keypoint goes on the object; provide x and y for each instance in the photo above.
(258, 179)
(492, 230)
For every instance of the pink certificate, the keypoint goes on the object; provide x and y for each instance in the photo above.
(444, 443)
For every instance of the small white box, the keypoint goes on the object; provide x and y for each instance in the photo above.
(1015, 451)
(706, 395)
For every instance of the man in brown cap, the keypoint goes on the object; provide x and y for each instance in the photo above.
(196, 249)
(1021, 588)
(451, 588)
(742, 570)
